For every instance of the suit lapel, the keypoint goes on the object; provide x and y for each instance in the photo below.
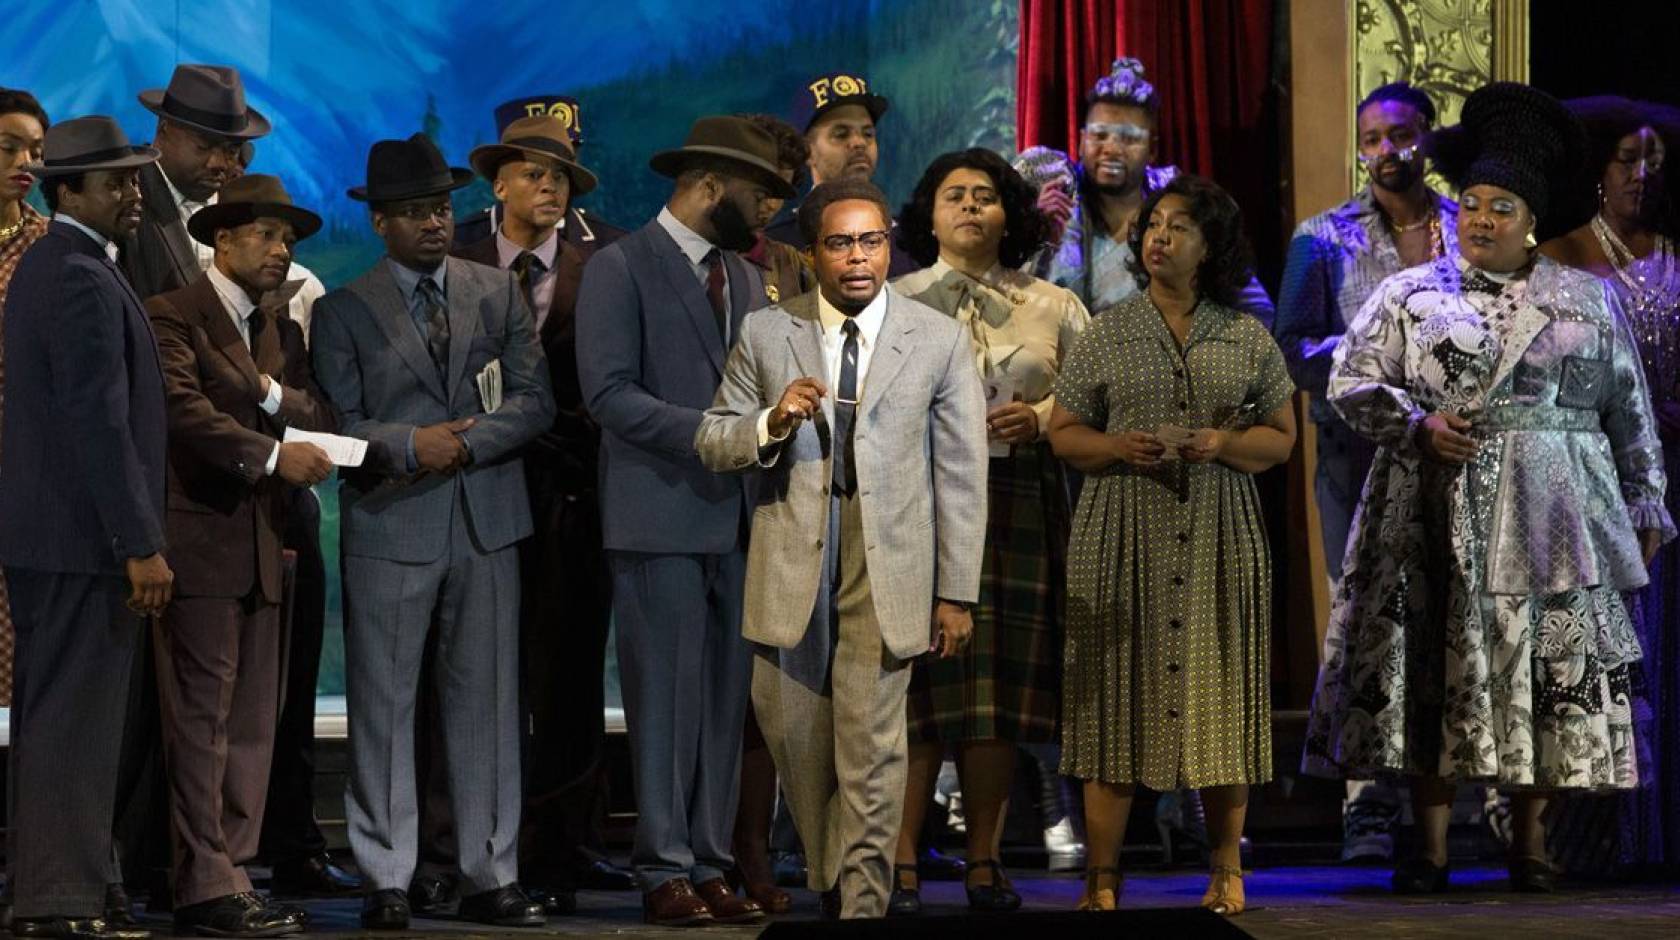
(390, 311)
(743, 296)
(680, 274)
(464, 297)
(892, 350)
(805, 339)
(219, 328)
(160, 206)
(562, 300)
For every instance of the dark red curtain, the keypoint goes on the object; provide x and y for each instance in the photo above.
(1211, 62)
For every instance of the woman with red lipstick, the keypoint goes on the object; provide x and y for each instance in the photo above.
(23, 125)
(1629, 241)
(1478, 634)
(972, 221)
(1170, 403)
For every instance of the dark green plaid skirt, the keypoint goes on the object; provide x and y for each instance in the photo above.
(1008, 684)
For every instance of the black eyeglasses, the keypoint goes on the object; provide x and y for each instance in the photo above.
(840, 245)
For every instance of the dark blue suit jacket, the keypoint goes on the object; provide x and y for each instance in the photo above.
(83, 440)
(649, 362)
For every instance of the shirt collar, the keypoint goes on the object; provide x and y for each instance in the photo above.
(105, 244)
(507, 251)
(232, 294)
(869, 319)
(181, 201)
(408, 279)
(694, 246)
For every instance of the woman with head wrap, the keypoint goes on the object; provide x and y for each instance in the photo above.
(1479, 633)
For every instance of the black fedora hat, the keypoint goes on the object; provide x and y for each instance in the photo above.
(746, 145)
(209, 98)
(86, 144)
(542, 135)
(408, 169)
(249, 198)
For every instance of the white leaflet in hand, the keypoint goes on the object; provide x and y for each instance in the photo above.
(490, 386)
(342, 451)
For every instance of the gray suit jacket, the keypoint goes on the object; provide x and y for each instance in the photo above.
(920, 445)
(373, 365)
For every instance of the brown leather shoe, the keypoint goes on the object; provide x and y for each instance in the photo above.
(726, 906)
(674, 904)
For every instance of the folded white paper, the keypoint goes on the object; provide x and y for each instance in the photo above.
(490, 386)
(342, 451)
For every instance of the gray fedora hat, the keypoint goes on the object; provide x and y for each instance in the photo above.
(741, 142)
(246, 199)
(209, 98)
(86, 144)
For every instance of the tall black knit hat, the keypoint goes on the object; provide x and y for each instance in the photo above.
(1515, 137)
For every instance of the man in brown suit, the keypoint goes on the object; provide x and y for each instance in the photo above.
(566, 602)
(237, 377)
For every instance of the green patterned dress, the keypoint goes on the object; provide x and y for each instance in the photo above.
(1169, 579)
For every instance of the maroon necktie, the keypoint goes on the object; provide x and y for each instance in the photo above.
(714, 292)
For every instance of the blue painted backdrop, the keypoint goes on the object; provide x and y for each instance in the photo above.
(335, 76)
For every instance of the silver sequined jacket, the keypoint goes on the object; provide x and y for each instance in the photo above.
(1545, 368)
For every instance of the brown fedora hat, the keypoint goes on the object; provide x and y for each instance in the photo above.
(542, 135)
(408, 169)
(749, 147)
(86, 144)
(249, 198)
(209, 98)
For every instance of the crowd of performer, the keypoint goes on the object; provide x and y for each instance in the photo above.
(859, 491)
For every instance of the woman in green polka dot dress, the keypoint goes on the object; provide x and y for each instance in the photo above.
(1170, 402)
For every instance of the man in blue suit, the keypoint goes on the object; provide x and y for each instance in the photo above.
(656, 315)
(82, 453)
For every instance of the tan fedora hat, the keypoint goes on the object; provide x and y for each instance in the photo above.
(542, 135)
(741, 142)
(249, 198)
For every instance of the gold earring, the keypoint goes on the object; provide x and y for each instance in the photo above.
(1529, 242)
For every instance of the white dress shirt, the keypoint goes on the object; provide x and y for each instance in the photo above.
(105, 244)
(869, 321)
(185, 208)
(239, 308)
(695, 248)
(302, 303)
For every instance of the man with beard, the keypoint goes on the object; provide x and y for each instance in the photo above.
(1336, 259)
(838, 115)
(82, 451)
(656, 314)
(1117, 147)
(238, 377)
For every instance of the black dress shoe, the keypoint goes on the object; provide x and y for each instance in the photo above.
(119, 912)
(1532, 876)
(554, 901)
(602, 875)
(905, 901)
(999, 897)
(315, 876)
(432, 894)
(235, 915)
(1419, 876)
(506, 906)
(385, 909)
(75, 928)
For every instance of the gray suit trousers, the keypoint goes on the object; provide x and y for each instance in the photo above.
(470, 597)
(840, 744)
(685, 671)
(75, 649)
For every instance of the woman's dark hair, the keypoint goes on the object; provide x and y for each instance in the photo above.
(1404, 93)
(1229, 264)
(1023, 227)
(1607, 119)
(827, 194)
(792, 152)
(18, 101)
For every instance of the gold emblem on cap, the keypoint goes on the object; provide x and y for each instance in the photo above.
(565, 112)
(845, 86)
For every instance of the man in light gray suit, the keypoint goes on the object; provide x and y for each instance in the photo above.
(862, 412)
(408, 354)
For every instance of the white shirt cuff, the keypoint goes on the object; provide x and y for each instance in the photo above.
(273, 455)
(271, 404)
(764, 437)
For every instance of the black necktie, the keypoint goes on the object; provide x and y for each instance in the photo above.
(845, 411)
(528, 268)
(714, 292)
(436, 314)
